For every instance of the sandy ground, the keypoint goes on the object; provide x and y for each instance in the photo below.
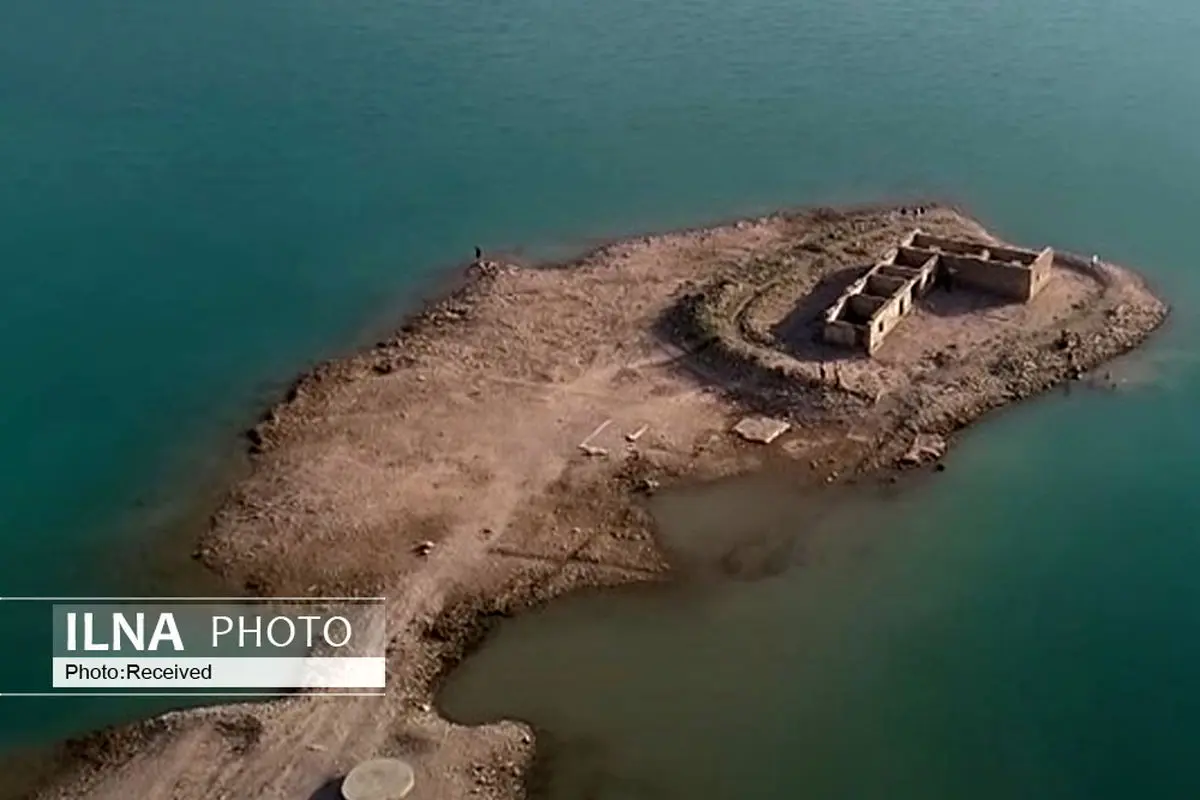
(465, 430)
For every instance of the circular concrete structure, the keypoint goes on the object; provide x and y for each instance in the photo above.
(379, 779)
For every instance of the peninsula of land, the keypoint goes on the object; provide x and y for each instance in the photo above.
(491, 454)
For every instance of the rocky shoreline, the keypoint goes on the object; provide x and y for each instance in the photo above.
(488, 457)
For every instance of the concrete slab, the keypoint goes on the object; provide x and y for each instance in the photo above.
(762, 430)
(379, 779)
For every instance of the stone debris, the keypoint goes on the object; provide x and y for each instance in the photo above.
(762, 430)
(925, 447)
(586, 445)
(423, 548)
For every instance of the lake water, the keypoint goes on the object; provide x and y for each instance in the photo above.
(998, 632)
(199, 199)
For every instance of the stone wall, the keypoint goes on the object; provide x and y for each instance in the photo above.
(912, 257)
(1025, 257)
(1040, 269)
(884, 284)
(927, 242)
(866, 306)
(1016, 281)
(887, 317)
(995, 277)
(843, 333)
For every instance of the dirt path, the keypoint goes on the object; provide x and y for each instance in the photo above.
(465, 430)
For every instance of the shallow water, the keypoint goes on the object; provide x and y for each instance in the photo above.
(987, 633)
(198, 199)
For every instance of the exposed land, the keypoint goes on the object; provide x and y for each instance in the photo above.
(490, 456)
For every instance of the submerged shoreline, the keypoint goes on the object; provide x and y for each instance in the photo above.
(511, 424)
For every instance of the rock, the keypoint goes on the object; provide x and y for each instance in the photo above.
(939, 467)
(1067, 340)
(423, 548)
(648, 485)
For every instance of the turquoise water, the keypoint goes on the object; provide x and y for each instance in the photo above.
(198, 199)
(1020, 627)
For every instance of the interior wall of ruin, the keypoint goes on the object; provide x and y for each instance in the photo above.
(1005, 280)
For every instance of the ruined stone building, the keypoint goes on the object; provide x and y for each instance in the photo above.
(873, 305)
